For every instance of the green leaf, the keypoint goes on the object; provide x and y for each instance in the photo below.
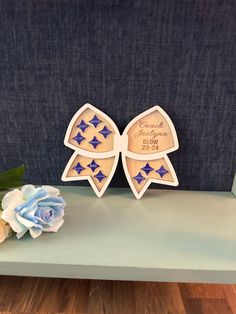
(12, 178)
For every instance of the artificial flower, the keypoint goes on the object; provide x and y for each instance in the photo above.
(5, 230)
(38, 210)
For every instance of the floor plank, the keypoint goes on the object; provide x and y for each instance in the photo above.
(28, 295)
(207, 306)
(198, 291)
(152, 298)
(111, 297)
(230, 296)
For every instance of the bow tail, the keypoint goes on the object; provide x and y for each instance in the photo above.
(98, 171)
(141, 173)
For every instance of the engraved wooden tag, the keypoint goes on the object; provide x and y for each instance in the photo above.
(144, 146)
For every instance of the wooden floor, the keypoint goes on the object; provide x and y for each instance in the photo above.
(48, 295)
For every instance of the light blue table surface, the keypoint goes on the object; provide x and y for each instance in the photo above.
(166, 236)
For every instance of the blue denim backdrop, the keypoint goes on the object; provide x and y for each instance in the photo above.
(123, 57)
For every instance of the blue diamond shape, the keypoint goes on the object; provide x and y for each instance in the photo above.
(147, 169)
(161, 171)
(79, 138)
(100, 176)
(78, 168)
(95, 142)
(139, 178)
(105, 132)
(95, 121)
(93, 166)
(83, 126)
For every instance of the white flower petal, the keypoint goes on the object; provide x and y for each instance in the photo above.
(25, 222)
(55, 227)
(10, 217)
(51, 190)
(12, 199)
(35, 232)
(20, 234)
(27, 190)
(62, 214)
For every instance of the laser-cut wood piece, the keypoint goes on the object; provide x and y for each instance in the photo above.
(144, 146)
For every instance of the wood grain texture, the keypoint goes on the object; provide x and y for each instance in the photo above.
(28, 295)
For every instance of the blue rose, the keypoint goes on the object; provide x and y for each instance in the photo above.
(35, 209)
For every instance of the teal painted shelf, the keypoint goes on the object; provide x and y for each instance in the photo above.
(169, 235)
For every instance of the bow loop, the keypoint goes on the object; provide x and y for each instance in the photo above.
(151, 133)
(91, 131)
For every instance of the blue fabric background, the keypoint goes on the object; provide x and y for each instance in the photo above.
(123, 57)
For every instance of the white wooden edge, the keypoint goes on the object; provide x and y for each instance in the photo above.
(84, 152)
(138, 195)
(120, 145)
(80, 178)
(233, 190)
(154, 155)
